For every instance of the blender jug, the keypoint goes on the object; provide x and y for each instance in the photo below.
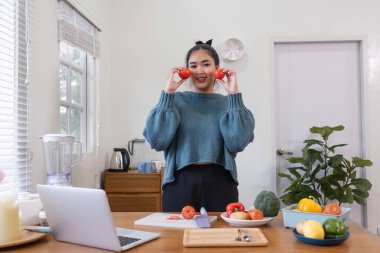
(59, 158)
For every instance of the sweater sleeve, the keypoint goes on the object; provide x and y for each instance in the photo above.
(237, 124)
(162, 123)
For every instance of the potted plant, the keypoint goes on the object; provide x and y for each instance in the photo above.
(324, 174)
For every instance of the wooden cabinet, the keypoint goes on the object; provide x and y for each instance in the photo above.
(133, 191)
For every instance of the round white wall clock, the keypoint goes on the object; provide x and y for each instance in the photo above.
(233, 49)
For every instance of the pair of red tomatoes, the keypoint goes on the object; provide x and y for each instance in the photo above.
(185, 73)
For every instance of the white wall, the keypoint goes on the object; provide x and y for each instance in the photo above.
(142, 39)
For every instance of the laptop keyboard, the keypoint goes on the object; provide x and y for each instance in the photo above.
(127, 240)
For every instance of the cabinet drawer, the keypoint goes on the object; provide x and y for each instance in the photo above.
(132, 182)
(135, 202)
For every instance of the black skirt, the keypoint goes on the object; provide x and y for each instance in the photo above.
(206, 185)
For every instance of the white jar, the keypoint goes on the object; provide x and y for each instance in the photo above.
(30, 206)
(10, 221)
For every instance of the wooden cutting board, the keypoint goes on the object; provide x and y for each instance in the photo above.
(222, 237)
(161, 220)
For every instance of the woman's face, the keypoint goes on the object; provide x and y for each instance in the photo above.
(202, 68)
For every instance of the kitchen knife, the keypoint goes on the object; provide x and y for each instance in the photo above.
(202, 219)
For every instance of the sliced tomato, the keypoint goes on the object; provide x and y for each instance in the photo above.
(188, 212)
(332, 208)
(173, 217)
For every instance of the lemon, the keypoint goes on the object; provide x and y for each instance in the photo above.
(313, 229)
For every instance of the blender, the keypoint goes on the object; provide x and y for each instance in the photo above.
(59, 157)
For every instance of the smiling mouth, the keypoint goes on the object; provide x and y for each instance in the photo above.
(201, 79)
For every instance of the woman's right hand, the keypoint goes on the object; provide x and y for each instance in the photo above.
(171, 84)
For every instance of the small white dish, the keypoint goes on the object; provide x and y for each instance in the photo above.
(246, 223)
(233, 49)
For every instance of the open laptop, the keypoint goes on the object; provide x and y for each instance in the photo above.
(83, 216)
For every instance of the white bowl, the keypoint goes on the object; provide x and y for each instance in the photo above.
(246, 223)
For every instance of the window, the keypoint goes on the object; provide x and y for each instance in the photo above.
(79, 49)
(73, 80)
(15, 172)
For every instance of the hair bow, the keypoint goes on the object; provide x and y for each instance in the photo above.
(209, 42)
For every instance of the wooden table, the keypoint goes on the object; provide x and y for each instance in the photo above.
(280, 240)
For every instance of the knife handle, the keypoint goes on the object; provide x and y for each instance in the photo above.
(203, 211)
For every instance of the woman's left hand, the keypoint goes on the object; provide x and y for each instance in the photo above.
(231, 85)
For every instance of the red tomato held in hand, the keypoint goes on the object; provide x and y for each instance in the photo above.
(184, 73)
(188, 212)
(332, 208)
(219, 74)
(255, 214)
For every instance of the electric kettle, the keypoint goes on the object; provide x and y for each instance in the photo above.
(120, 160)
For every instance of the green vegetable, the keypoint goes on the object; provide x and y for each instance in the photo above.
(334, 228)
(268, 203)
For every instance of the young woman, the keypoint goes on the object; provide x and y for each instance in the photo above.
(200, 133)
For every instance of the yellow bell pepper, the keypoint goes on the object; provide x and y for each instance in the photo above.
(309, 205)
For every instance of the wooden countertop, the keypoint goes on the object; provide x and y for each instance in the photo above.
(280, 239)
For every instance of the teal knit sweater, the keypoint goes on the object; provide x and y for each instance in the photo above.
(199, 128)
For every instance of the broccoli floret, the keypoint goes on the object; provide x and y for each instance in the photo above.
(268, 203)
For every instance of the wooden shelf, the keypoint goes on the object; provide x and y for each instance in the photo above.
(133, 191)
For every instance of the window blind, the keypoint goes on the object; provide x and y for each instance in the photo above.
(15, 172)
(76, 30)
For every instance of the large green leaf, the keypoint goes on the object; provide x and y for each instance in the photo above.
(347, 196)
(332, 148)
(313, 141)
(336, 160)
(360, 194)
(325, 131)
(296, 160)
(362, 184)
(285, 175)
(310, 143)
(336, 177)
(308, 182)
(294, 172)
(358, 162)
(359, 200)
(293, 186)
(313, 155)
(353, 175)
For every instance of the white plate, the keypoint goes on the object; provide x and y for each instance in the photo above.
(233, 49)
(246, 223)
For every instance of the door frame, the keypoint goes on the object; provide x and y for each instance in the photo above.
(363, 71)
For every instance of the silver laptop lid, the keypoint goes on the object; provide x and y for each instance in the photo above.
(79, 215)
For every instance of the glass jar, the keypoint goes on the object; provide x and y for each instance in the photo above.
(10, 222)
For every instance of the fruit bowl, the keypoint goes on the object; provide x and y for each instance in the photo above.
(246, 223)
(321, 242)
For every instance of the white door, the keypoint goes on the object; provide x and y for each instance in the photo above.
(317, 84)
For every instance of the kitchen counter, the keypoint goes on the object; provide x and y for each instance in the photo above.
(280, 239)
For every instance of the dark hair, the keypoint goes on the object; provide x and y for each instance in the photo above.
(203, 46)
